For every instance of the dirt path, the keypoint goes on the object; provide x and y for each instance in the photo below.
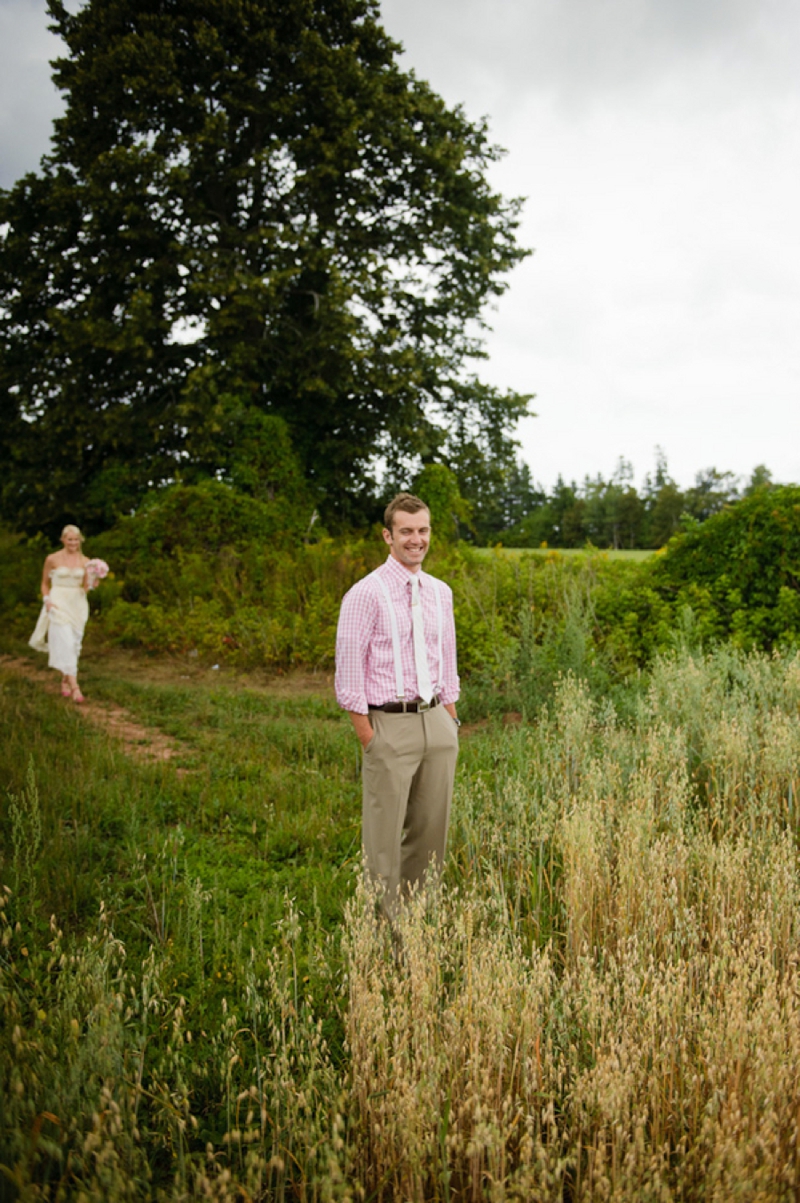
(141, 743)
(148, 744)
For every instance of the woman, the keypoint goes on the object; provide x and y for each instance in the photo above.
(59, 631)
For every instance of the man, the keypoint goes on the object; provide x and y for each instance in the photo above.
(396, 676)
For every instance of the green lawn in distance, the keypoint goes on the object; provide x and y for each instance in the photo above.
(632, 555)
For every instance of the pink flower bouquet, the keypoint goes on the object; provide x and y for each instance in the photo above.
(97, 569)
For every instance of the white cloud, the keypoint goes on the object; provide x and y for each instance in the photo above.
(658, 147)
(579, 52)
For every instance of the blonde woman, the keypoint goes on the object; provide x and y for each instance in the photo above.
(59, 631)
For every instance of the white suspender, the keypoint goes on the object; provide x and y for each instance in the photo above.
(398, 666)
(439, 624)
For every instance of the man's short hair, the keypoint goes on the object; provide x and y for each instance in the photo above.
(406, 502)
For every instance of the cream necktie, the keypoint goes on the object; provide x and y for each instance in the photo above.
(424, 683)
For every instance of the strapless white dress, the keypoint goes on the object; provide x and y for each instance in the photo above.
(60, 632)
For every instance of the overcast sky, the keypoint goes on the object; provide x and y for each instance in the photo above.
(658, 144)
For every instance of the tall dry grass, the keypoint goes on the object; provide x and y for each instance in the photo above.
(604, 1001)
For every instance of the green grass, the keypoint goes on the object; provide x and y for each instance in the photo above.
(602, 1001)
(261, 803)
(229, 864)
(261, 800)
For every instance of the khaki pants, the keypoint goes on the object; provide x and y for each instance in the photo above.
(408, 771)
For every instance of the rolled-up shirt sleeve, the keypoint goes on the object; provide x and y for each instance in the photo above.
(353, 635)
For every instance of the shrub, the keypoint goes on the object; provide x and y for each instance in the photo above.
(202, 518)
(743, 564)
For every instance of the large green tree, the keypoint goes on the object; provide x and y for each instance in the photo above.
(248, 207)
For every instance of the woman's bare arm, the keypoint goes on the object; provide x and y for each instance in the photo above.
(48, 565)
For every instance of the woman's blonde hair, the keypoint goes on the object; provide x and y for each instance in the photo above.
(71, 529)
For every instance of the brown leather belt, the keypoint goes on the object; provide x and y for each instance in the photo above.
(406, 707)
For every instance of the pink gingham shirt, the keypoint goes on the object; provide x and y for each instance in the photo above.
(365, 673)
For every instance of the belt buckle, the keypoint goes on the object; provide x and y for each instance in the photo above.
(423, 706)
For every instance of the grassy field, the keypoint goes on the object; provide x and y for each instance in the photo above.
(601, 1001)
(630, 555)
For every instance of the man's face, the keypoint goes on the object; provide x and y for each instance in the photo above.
(409, 537)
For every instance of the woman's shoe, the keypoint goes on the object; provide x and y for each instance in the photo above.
(77, 696)
(66, 690)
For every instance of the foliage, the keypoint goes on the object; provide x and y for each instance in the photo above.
(208, 574)
(523, 622)
(197, 575)
(249, 211)
(613, 514)
(205, 571)
(21, 562)
(498, 488)
(742, 565)
(438, 488)
(202, 573)
(201, 518)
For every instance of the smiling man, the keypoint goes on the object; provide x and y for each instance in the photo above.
(396, 676)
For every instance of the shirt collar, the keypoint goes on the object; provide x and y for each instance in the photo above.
(399, 574)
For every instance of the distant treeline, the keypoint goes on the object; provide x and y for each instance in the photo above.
(611, 513)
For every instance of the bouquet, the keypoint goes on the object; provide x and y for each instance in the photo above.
(97, 569)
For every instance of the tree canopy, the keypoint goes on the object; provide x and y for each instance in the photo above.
(248, 209)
